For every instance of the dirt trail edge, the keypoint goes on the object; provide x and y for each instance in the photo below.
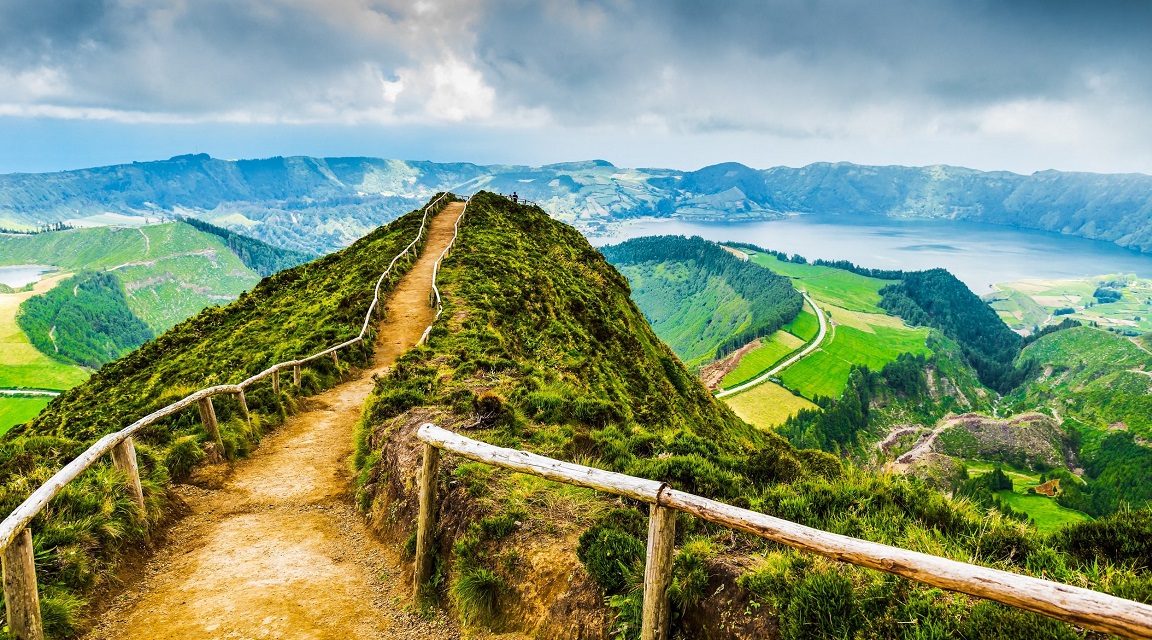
(279, 550)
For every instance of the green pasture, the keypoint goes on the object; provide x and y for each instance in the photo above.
(15, 410)
(771, 351)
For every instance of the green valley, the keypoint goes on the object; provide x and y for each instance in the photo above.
(130, 284)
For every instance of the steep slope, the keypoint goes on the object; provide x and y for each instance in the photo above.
(320, 204)
(296, 312)
(278, 551)
(700, 299)
(539, 347)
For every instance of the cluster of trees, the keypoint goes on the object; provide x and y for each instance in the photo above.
(1038, 333)
(983, 490)
(837, 423)
(1105, 295)
(258, 256)
(773, 301)
(57, 226)
(84, 320)
(936, 298)
(1119, 475)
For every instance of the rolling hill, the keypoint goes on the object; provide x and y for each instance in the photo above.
(321, 204)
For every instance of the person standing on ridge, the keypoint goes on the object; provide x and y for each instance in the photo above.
(515, 198)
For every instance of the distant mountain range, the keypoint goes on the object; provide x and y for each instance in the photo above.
(320, 204)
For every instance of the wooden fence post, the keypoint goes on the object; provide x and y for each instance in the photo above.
(426, 525)
(20, 592)
(124, 457)
(658, 573)
(208, 419)
(335, 359)
(276, 382)
(296, 374)
(244, 406)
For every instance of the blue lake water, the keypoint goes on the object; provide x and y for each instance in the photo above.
(20, 275)
(979, 254)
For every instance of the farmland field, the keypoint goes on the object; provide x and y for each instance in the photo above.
(14, 411)
(1028, 303)
(21, 364)
(834, 286)
(772, 349)
(805, 326)
(867, 339)
(767, 405)
(1043, 510)
(1047, 514)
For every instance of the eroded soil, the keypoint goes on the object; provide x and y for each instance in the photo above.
(275, 548)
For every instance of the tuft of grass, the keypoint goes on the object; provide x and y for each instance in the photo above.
(476, 591)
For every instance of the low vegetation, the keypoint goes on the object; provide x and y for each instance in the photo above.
(79, 535)
(540, 348)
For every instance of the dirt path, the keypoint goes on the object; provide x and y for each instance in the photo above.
(278, 550)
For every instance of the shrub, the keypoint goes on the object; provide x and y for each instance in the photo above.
(184, 454)
(1122, 538)
(611, 547)
(991, 620)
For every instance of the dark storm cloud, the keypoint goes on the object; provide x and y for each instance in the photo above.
(1047, 75)
(576, 56)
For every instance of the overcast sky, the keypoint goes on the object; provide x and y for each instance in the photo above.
(1002, 84)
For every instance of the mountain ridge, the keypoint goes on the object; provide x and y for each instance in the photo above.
(320, 204)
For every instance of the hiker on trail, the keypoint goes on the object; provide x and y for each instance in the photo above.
(515, 198)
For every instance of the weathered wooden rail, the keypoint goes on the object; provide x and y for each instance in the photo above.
(19, 570)
(1079, 606)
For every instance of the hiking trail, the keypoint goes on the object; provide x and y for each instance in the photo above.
(273, 546)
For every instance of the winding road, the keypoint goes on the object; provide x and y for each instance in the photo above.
(812, 346)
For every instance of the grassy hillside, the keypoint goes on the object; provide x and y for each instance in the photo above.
(85, 321)
(169, 271)
(541, 348)
(293, 313)
(701, 300)
(834, 286)
(1096, 382)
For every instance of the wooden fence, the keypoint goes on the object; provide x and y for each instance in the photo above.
(1082, 607)
(19, 570)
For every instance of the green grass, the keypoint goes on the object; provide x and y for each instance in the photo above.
(766, 405)
(691, 311)
(170, 271)
(835, 286)
(1043, 510)
(772, 350)
(14, 411)
(806, 325)
(21, 364)
(864, 339)
(818, 374)
(1028, 303)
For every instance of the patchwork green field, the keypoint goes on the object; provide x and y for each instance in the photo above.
(21, 364)
(772, 350)
(767, 405)
(170, 271)
(834, 286)
(856, 338)
(806, 325)
(1026, 304)
(14, 411)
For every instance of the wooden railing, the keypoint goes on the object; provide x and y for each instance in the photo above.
(1079, 606)
(435, 300)
(20, 590)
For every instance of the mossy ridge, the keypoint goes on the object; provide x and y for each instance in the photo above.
(80, 534)
(540, 348)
